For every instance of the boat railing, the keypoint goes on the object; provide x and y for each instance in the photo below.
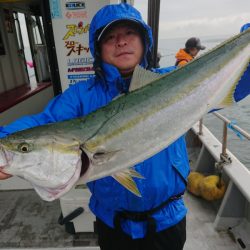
(226, 124)
(234, 208)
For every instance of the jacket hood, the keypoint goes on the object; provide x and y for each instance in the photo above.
(244, 27)
(115, 12)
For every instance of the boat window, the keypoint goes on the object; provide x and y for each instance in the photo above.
(41, 22)
(17, 25)
(36, 31)
(24, 46)
(24, 67)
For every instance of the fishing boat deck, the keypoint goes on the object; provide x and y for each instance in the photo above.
(28, 222)
(200, 231)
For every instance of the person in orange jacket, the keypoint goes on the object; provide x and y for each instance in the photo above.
(192, 48)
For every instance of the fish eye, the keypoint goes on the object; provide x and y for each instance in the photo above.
(24, 147)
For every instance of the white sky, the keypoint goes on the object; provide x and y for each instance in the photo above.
(186, 18)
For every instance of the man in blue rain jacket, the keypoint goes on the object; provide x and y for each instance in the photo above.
(119, 40)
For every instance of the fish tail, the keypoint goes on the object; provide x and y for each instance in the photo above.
(230, 97)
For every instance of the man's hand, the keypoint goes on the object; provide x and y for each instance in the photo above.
(4, 176)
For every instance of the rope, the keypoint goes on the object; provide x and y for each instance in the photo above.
(231, 126)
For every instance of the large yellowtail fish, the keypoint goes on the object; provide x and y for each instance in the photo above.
(132, 128)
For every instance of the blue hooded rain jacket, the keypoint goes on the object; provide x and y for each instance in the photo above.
(165, 173)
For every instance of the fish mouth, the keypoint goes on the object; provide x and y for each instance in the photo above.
(5, 157)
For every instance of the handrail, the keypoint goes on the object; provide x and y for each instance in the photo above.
(237, 128)
(237, 172)
(225, 127)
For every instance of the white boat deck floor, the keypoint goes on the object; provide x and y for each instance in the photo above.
(28, 222)
(200, 231)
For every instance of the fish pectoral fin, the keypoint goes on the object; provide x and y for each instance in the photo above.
(102, 156)
(127, 181)
(141, 77)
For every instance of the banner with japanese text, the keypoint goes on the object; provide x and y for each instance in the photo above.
(70, 22)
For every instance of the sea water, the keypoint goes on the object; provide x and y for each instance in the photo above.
(239, 113)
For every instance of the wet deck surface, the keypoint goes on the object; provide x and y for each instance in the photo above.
(200, 231)
(26, 221)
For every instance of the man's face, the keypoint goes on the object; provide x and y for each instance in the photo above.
(193, 52)
(122, 47)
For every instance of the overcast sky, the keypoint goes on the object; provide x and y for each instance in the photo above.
(186, 18)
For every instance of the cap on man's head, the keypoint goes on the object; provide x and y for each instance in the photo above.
(109, 26)
(194, 42)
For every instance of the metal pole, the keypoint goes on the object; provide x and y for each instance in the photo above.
(237, 128)
(50, 43)
(224, 140)
(153, 22)
(200, 126)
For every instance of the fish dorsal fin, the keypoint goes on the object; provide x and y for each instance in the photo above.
(142, 77)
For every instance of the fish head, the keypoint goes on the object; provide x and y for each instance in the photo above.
(21, 152)
(49, 161)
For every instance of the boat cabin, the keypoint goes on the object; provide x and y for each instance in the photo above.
(25, 76)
